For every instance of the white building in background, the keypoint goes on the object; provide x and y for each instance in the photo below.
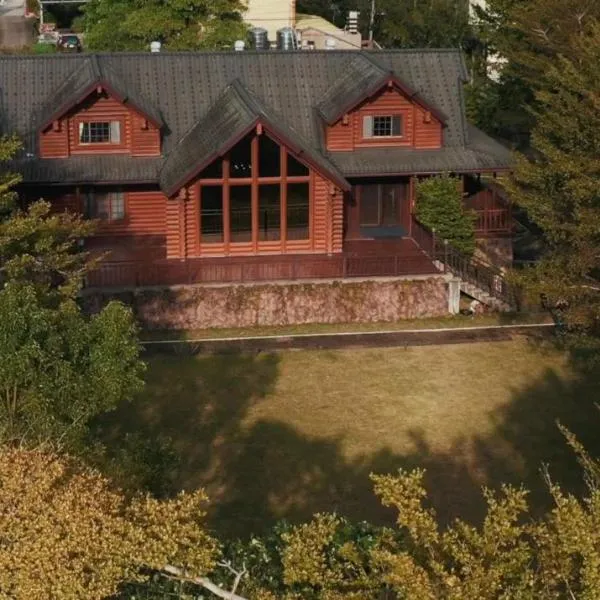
(271, 15)
(473, 4)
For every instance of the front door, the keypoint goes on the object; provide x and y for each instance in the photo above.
(379, 210)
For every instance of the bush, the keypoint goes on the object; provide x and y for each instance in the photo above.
(440, 207)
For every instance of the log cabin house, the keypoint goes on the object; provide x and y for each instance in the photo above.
(249, 166)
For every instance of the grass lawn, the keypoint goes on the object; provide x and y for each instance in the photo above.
(286, 435)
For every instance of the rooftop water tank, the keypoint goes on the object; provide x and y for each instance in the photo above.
(239, 45)
(259, 38)
(286, 39)
(155, 46)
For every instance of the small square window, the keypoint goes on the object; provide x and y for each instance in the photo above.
(107, 206)
(101, 132)
(382, 126)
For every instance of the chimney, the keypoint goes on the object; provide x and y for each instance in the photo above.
(155, 46)
(352, 25)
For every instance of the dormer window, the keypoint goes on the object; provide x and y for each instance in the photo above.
(382, 126)
(100, 132)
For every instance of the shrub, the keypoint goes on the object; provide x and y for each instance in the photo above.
(440, 207)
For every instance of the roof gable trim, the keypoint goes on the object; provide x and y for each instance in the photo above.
(273, 131)
(387, 80)
(86, 93)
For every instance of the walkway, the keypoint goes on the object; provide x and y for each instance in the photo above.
(15, 30)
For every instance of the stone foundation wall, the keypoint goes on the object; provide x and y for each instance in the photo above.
(249, 305)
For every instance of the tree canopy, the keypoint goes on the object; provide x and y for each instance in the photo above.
(116, 25)
(559, 185)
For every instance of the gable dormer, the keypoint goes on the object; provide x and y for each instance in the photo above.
(370, 107)
(95, 111)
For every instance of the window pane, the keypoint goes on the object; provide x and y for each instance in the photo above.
(269, 163)
(390, 205)
(117, 206)
(241, 159)
(101, 206)
(369, 205)
(298, 211)
(269, 212)
(211, 213)
(213, 171)
(295, 168)
(95, 133)
(240, 200)
(382, 126)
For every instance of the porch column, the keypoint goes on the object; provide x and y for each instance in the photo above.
(412, 198)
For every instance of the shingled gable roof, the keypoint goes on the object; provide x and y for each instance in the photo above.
(362, 78)
(90, 75)
(233, 115)
(289, 86)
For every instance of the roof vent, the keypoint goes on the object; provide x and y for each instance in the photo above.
(155, 46)
(286, 39)
(259, 38)
(239, 45)
(329, 44)
(352, 25)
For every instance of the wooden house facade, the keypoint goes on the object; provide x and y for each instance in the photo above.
(222, 167)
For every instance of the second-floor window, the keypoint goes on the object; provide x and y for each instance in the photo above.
(382, 126)
(100, 132)
(107, 206)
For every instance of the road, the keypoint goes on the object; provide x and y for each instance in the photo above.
(15, 30)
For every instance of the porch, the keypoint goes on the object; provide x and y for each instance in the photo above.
(359, 259)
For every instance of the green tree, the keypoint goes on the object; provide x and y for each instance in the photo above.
(440, 207)
(560, 186)
(115, 25)
(59, 368)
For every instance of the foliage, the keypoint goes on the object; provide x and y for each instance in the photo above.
(559, 186)
(67, 534)
(59, 368)
(116, 25)
(440, 207)
(41, 248)
(529, 35)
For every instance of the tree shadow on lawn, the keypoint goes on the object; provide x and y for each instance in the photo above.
(259, 473)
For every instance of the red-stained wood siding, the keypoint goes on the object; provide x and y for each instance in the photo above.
(54, 141)
(145, 214)
(145, 137)
(174, 215)
(139, 137)
(428, 130)
(420, 128)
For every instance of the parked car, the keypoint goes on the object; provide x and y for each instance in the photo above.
(69, 42)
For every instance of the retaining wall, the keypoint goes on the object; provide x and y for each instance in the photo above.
(283, 303)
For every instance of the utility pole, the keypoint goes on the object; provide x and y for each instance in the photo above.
(372, 20)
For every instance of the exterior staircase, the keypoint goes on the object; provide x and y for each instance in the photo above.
(478, 279)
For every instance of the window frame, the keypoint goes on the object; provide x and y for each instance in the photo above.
(370, 117)
(260, 239)
(81, 122)
(90, 197)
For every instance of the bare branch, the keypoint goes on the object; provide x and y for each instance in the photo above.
(206, 583)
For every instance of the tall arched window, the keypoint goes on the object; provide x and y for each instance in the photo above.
(258, 192)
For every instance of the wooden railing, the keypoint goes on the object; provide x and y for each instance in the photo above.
(301, 267)
(493, 221)
(483, 275)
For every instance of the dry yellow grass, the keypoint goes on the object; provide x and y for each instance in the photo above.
(285, 435)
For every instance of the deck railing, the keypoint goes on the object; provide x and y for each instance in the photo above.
(493, 221)
(231, 270)
(470, 269)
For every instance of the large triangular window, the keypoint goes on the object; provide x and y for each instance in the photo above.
(258, 192)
